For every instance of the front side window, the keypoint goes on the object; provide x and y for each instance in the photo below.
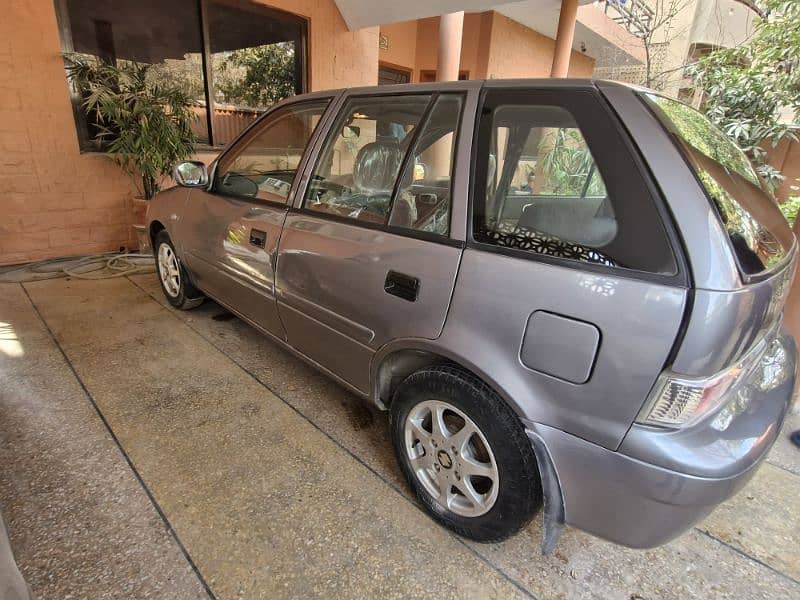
(758, 233)
(552, 179)
(265, 165)
(254, 55)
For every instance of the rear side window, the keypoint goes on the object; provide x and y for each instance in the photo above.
(363, 155)
(554, 178)
(758, 232)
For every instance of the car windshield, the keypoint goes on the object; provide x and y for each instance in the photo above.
(758, 232)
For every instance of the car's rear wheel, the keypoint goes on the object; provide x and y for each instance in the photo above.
(174, 282)
(465, 453)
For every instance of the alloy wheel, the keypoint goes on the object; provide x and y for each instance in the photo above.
(168, 270)
(451, 458)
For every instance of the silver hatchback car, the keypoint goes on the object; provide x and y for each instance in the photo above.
(566, 293)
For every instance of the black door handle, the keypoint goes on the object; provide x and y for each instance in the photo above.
(401, 285)
(258, 238)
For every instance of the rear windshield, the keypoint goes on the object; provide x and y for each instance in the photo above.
(758, 232)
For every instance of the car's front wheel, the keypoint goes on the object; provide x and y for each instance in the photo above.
(174, 283)
(465, 453)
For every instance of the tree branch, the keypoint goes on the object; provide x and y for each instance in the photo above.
(754, 7)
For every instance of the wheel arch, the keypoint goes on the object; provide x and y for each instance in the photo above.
(398, 359)
(154, 229)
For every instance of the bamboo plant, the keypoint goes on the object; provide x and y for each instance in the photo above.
(141, 122)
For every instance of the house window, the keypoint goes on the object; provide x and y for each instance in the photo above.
(232, 58)
(429, 76)
(389, 75)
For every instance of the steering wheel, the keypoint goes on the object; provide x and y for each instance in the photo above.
(321, 186)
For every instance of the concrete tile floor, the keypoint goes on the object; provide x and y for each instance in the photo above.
(241, 472)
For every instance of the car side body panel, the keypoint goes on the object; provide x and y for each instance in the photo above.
(727, 316)
(332, 279)
(703, 238)
(637, 320)
(225, 260)
(168, 210)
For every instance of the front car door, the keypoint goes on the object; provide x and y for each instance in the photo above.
(231, 230)
(367, 256)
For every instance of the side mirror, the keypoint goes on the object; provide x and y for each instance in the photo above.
(191, 173)
(236, 184)
(351, 132)
(420, 170)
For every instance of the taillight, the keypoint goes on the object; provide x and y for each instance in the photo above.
(679, 401)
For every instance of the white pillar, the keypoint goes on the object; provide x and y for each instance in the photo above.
(564, 37)
(451, 29)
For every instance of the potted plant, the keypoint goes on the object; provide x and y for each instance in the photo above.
(143, 123)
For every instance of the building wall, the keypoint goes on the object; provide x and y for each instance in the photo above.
(56, 201)
(493, 46)
(718, 23)
(517, 51)
(53, 201)
(724, 23)
(337, 57)
(402, 50)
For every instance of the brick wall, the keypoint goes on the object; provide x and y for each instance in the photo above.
(56, 201)
(53, 200)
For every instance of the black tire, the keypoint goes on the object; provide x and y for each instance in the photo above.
(518, 496)
(187, 296)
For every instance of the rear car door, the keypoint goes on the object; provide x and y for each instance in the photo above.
(231, 230)
(367, 256)
(574, 298)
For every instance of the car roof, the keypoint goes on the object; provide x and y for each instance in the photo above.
(539, 83)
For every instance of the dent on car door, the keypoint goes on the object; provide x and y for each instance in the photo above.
(367, 258)
(234, 227)
(574, 300)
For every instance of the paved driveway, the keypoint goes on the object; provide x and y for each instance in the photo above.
(146, 452)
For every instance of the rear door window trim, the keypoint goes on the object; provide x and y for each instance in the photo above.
(678, 279)
(325, 129)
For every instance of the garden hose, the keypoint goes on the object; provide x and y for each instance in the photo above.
(95, 266)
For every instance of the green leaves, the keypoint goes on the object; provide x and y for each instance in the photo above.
(263, 75)
(145, 124)
(568, 164)
(790, 209)
(747, 88)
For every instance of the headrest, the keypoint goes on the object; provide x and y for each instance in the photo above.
(572, 219)
(376, 167)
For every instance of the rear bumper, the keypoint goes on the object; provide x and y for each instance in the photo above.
(660, 483)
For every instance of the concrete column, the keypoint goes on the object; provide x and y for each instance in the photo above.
(451, 28)
(564, 37)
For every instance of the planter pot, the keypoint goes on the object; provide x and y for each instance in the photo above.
(139, 227)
